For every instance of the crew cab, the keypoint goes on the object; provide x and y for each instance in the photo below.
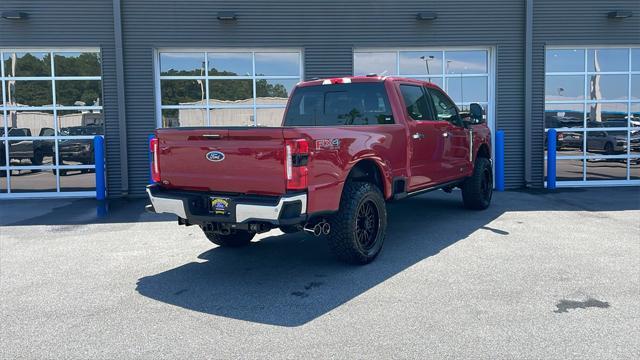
(346, 147)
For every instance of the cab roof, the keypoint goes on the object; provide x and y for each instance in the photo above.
(363, 79)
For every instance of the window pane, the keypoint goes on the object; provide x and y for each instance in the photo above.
(635, 87)
(608, 87)
(606, 169)
(567, 170)
(634, 138)
(270, 117)
(21, 64)
(232, 117)
(420, 62)
(274, 91)
(571, 60)
(80, 122)
(77, 64)
(79, 92)
(607, 115)
(3, 179)
(29, 93)
(444, 108)
(28, 152)
(33, 181)
(466, 62)
(608, 60)
(564, 87)
(635, 59)
(635, 115)
(606, 142)
(467, 89)
(634, 168)
(77, 180)
(76, 151)
(339, 104)
(228, 64)
(563, 115)
(176, 64)
(176, 92)
(415, 102)
(278, 64)
(569, 143)
(381, 63)
(30, 122)
(184, 117)
(236, 92)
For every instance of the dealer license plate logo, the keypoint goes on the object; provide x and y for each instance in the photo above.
(219, 205)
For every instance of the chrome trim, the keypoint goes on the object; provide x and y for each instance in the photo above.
(165, 205)
(244, 211)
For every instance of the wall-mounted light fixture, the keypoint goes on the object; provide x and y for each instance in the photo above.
(14, 15)
(227, 16)
(429, 15)
(619, 14)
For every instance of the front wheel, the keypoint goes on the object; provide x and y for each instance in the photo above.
(478, 189)
(358, 229)
(236, 238)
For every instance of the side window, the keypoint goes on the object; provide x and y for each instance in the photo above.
(445, 109)
(415, 101)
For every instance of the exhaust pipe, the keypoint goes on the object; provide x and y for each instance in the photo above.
(320, 228)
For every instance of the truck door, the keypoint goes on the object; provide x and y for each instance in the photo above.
(426, 144)
(457, 138)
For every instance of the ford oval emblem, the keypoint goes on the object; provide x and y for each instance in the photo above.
(215, 156)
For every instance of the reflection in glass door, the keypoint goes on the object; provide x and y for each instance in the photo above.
(50, 110)
(592, 99)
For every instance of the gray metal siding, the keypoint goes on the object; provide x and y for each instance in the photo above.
(572, 22)
(326, 31)
(73, 23)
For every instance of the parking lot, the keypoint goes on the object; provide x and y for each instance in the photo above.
(538, 275)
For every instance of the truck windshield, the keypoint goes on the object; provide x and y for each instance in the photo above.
(339, 104)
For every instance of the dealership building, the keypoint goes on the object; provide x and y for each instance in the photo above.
(75, 69)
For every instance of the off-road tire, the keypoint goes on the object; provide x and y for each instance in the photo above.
(608, 149)
(237, 238)
(37, 158)
(478, 188)
(343, 239)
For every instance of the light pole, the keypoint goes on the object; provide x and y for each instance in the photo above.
(426, 61)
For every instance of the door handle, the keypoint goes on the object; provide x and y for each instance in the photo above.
(212, 136)
(418, 136)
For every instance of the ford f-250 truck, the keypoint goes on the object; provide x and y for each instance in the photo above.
(346, 147)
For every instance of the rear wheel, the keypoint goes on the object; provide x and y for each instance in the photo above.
(37, 158)
(608, 149)
(237, 238)
(478, 189)
(358, 229)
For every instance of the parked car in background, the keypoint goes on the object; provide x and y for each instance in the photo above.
(77, 151)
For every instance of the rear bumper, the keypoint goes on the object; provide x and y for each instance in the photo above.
(193, 206)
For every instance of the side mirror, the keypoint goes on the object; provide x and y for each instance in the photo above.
(476, 113)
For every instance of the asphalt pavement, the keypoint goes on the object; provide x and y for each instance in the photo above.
(538, 275)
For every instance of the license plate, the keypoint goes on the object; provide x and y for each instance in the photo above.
(219, 205)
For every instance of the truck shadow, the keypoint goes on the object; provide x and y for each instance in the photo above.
(289, 280)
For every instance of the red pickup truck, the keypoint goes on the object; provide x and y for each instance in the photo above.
(346, 147)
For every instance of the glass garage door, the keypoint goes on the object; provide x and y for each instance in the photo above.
(592, 99)
(51, 108)
(225, 88)
(465, 74)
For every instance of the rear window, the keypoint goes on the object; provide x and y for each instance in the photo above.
(339, 104)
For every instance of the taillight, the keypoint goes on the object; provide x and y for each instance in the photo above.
(296, 158)
(154, 147)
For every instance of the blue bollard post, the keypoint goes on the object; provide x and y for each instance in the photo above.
(551, 158)
(150, 157)
(500, 160)
(101, 190)
(98, 148)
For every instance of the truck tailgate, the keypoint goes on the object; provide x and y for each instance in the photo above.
(252, 160)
